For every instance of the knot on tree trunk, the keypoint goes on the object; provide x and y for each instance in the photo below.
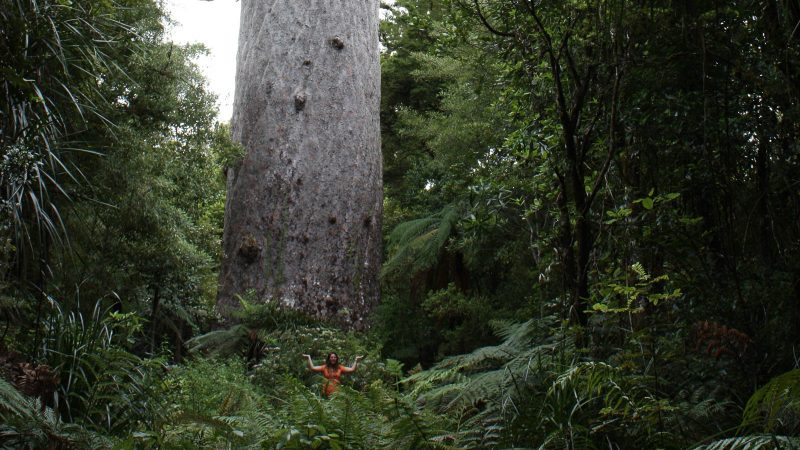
(337, 43)
(299, 102)
(249, 249)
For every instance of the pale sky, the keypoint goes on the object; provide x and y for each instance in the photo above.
(216, 25)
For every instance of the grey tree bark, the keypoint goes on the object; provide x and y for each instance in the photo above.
(302, 217)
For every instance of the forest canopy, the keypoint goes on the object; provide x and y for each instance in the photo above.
(590, 236)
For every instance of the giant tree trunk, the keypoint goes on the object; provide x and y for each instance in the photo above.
(302, 219)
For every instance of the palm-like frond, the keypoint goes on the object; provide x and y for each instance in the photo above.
(492, 373)
(416, 245)
(529, 389)
(221, 343)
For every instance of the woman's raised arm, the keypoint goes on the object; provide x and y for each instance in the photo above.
(353, 367)
(311, 365)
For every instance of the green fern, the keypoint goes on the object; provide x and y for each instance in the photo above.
(755, 442)
(416, 245)
(26, 423)
(491, 373)
(487, 388)
(220, 343)
(703, 410)
(484, 429)
(529, 390)
(775, 404)
(102, 384)
(12, 402)
(416, 428)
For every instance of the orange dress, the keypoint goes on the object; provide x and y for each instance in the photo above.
(332, 376)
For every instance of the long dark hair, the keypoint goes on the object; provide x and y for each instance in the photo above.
(328, 360)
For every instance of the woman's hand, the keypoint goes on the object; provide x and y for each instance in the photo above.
(354, 366)
(311, 365)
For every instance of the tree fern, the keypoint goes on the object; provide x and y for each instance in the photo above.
(489, 373)
(484, 429)
(416, 245)
(488, 387)
(414, 428)
(220, 343)
(705, 409)
(531, 390)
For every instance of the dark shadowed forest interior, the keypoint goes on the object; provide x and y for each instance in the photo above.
(590, 225)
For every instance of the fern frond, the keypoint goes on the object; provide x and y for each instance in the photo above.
(779, 397)
(220, 343)
(26, 424)
(492, 374)
(428, 379)
(754, 442)
(481, 430)
(12, 402)
(415, 428)
(416, 245)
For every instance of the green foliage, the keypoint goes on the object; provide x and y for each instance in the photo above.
(752, 443)
(159, 256)
(313, 436)
(224, 343)
(775, 407)
(110, 146)
(228, 152)
(416, 246)
(633, 295)
(55, 56)
(208, 403)
(526, 392)
(461, 319)
(486, 387)
(221, 403)
(283, 349)
(26, 423)
(540, 158)
(103, 386)
(635, 161)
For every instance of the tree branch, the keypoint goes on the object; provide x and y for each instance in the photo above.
(580, 96)
(487, 24)
(612, 142)
(540, 25)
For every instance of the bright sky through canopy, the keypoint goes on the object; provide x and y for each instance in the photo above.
(215, 24)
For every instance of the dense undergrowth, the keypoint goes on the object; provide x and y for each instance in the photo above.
(247, 387)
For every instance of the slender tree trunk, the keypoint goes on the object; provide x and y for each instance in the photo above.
(154, 319)
(302, 220)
